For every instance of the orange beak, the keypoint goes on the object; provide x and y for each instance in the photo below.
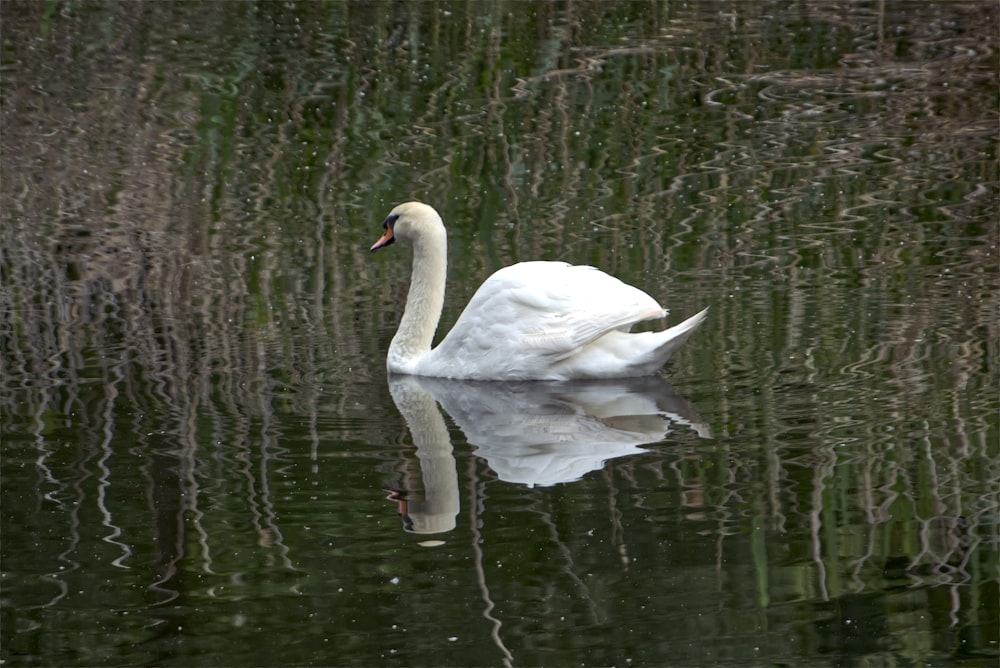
(386, 239)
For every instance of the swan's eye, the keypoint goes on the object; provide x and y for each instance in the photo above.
(390, 222)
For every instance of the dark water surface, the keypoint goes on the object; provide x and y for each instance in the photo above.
(204, 463)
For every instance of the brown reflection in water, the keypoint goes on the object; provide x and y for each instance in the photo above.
(181, 230)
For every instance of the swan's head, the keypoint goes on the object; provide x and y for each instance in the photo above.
(413, 222)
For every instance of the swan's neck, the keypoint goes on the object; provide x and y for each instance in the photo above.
(413, 339)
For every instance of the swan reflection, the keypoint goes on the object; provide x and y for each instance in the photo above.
(531, 433)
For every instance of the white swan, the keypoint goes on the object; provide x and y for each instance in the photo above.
(528, 321)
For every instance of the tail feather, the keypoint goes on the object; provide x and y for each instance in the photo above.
(675, 337)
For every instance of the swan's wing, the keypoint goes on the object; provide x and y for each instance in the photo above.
(546, 309)
(573, 306)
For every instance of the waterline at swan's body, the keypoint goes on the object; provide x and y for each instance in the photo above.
(528, 321)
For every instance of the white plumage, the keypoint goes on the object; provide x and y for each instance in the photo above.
(528, 321)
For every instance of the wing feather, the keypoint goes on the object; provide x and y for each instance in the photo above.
(549, 309)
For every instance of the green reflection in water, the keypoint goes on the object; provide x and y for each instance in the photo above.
(198, 434)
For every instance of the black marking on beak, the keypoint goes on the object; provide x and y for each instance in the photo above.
(388, 238)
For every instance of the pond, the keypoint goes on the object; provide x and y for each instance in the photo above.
(205, 461)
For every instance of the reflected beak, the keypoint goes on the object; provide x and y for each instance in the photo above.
(386, 239)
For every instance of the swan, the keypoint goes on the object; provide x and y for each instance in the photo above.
(528, 321)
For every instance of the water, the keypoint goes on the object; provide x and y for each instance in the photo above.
(204, 462)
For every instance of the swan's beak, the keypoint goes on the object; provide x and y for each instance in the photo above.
(386, 239)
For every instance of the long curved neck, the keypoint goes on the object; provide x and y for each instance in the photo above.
(423, 304)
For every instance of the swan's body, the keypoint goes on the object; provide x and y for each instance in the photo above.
(528, 321)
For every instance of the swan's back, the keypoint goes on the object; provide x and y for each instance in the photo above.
(541, 320)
